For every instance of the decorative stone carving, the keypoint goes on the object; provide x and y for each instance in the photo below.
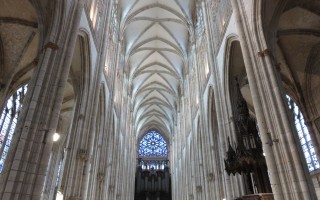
(220, 12)
(247, 157)
(101, 177)
(199, 188)
(248, 154)
(264, 53)
(51, 45)
(210, 177)
(35, 61)
(82, 154)
(111, 188)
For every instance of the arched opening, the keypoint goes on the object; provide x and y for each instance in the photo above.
(153, 179)
(246, 158)
(99, 159)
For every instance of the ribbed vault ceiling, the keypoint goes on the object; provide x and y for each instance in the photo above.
(156, 35)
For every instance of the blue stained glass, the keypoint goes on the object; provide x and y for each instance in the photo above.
(304, 136)
(153, 145)
(8, 120)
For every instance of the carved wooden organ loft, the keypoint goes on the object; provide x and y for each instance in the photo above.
(246, 157)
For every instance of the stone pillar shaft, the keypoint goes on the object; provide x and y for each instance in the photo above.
(274, 174)
(25, 169)
(280, 145)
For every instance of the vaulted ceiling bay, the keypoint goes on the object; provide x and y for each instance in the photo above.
(157, 35)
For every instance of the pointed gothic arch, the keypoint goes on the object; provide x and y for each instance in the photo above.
(241, 109)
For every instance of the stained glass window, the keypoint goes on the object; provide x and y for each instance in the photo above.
(8, 121)
(153, 144)
(304, 136)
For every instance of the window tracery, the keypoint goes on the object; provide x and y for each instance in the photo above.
(8, 121)
(304, 136)
(153, 145)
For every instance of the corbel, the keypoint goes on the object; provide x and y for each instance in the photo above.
(199, 188)
(51, 45)
(278, 67)
(264, 53)
(271, 140)
(35, 61)
(82, 154)
(210, 177)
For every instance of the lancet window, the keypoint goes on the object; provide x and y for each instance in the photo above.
(8, 121)
(304, 136)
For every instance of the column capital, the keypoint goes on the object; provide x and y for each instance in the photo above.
(111, 188)
(101, 177)
(210, 177)
(264, 53)
(199, 188)
(35, 61)
(51, 45)
(82, 154)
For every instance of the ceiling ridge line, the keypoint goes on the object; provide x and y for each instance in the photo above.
(172, 35)
(153, 64)
(173, 93)
(157, 20)
(150, 6)
(137, 107)
(139, 36)
(157, 71)
(153, 48)
(138, 45)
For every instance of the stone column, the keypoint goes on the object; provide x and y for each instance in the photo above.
(56, 158)
(222, 180)
(281, 151)
(25, 168)
(110, 142)
(272, 167)
(288, 138)
(315, 140)
(93, 122)
(114, 167)
(80, 143)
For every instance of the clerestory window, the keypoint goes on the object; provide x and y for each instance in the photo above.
(304, 136)
(8, 121)
(153, 145)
